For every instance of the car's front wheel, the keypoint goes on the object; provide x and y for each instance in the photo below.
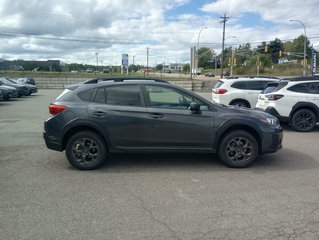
(238, 149)
(86, 150)
(303, 120)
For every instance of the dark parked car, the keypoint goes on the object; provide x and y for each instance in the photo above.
(22, 90)
(26, 81)
(31, 88)
(8, 92)
(104, 116)
(1, 96)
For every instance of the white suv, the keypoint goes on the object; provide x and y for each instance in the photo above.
(295, 101)
(240, 91)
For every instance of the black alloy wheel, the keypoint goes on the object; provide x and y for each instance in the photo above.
(86, 150)
(238, 149)
(303, 120)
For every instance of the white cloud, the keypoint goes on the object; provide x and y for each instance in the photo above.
(115, 27)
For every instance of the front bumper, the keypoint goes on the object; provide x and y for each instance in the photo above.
(272, 141)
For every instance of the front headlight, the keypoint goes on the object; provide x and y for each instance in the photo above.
(271, 121)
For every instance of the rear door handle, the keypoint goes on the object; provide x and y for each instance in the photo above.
(156, 115)
(99, 114)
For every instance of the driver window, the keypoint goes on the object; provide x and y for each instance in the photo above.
(164, 97)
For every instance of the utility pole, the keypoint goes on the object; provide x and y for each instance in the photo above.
(97, 61)
(147, 52)
(225, 19)
(258, 65)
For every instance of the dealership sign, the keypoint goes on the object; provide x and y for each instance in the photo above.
(314, 62)
(125, 60)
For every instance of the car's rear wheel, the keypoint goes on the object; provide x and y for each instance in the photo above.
(303, 120)
(239, 104)
(238, 149)
(86, 150)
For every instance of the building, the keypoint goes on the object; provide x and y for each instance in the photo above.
(49, 65)
(174, 67)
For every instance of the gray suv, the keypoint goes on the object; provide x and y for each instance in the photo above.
(101, 116)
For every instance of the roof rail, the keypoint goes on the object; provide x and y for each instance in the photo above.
(306, 78)
(119, 79)
(251, 77)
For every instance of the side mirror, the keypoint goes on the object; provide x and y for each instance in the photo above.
(194, 107)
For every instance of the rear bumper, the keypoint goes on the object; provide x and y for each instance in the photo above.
(274, 112)
(51, 144)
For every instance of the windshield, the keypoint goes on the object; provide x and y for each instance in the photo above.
(6, 81)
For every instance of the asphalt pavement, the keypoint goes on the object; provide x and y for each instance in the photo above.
(151, 196)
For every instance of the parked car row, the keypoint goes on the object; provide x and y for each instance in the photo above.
(11, 88)
(292, 100)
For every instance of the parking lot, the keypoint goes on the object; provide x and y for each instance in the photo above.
(151, 196)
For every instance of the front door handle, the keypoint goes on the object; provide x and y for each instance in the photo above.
(156, 115)
(99, 114)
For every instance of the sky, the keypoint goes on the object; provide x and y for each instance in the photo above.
(73, 31)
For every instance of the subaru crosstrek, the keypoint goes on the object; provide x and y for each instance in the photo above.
(103, 116)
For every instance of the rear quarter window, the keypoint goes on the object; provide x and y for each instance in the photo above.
(218, 84)
(86, 95)
(274, 87)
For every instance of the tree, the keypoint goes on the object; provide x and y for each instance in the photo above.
(186, 67)
(263, 48)
(205, 57)
(159, 67)
(132, 68)
(274, 48)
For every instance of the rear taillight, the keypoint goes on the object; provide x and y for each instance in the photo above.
(55, 109)
(274, 97)
(220, 90)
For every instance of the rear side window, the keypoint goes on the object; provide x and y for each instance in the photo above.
(250, 85)
(257, 85)
(301, 88)
(218, 84)
(274, 87)
(239, 85)
(314, 88)
(124, 95)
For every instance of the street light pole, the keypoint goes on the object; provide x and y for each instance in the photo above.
(197, 58)
(305, 44)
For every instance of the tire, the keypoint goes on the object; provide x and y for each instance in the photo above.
(238, 149)
(240, 104)
(86, 150)
(303, 120)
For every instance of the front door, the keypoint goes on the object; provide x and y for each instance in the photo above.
(172, 124)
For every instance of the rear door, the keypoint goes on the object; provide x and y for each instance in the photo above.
(313, 95)
(172, 124)
(121, 112)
